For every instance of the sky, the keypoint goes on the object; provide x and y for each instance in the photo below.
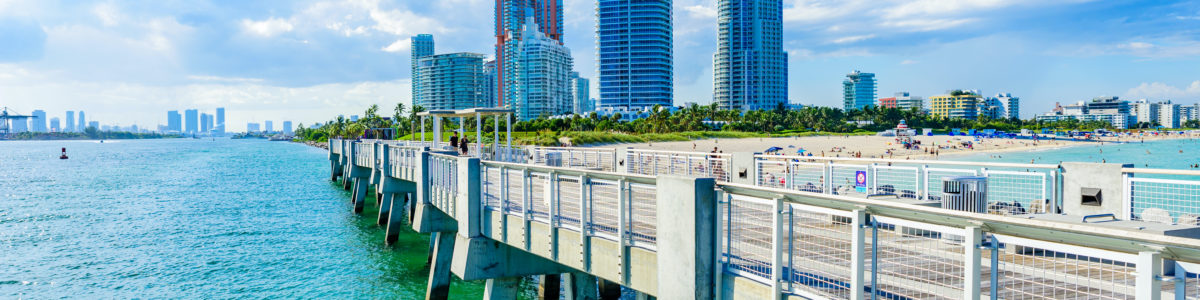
(128, 62)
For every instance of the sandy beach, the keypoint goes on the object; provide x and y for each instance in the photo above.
(874, 146)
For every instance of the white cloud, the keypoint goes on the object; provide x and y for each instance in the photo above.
(1159, 90)
(1136, 46)
(107, 13)
(852, 39)
(701, 11)
(908, 62)
(401, 45)
(267, 28)
(927, 24)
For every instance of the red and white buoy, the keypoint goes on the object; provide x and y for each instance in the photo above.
(64, 153)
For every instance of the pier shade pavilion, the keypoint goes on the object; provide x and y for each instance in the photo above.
(479, 112)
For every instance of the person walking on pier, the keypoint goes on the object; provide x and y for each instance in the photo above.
(462, 146)
(454, 140)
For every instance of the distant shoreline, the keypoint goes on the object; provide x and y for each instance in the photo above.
(85, 138)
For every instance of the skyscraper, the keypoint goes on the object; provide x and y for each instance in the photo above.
(544, 74)
(750, 68)
(18, 125)
(251, 127)
(287, 127)
(634, 43)
(205, 122)
(38, 121)
(489, 84)
(174, 121)
(270, 126)
(70, 126)
(190, 121)
(858, 90)
(451, 81)
(82, 122)
(54, 126)
(422, 46)
(510, 19)
(220, 125)
(580, 99)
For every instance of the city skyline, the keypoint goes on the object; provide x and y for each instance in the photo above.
(129, 63)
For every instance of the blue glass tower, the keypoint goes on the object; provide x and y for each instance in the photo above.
(422, 46)
(858, 90)
(634, 39)
(750, 67)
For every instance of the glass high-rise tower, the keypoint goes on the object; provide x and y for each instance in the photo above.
(422, 46)
(858, 90)
(544, 73)
(451, 81)
(510, 20)
(635, 59)
(750, 68)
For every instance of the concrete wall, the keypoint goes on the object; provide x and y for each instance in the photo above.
(1106, 177)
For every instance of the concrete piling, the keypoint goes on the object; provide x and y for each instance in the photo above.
(504, 288)
(581, 286)
(439, 269)
(609, 290)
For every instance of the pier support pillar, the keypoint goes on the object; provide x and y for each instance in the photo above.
(360, 194)
(385, 208)
(609, 290)
(439, 268)
(549, 286)
(395, 221)
(687, 232)
(581, 286)
(505, 288)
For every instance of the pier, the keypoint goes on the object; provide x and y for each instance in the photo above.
(753, 226)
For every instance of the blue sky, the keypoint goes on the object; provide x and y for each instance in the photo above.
(127, 62)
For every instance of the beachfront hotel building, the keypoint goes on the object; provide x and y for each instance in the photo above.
(450, 81)
(904, 101)
(858, 90)
(544, 73)
(956, 104)
(634, 44)
(422, 46)
(510, 19)
(1012, 105)
(750, 68)
(1105, 109)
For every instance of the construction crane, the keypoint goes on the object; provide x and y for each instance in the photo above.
(6, 118)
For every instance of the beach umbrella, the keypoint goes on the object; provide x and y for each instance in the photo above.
(773, 149)
(801, 151)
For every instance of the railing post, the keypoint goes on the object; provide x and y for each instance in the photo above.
(504, 203)
(526, 206)
(1149, 266)
(873, 171)
(585, 221)
(1127, 196)
(972, 255)
(623, 228)
(827, 169)
(777, 247)
(858, 250)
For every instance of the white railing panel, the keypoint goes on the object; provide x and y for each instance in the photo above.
(821, 244)
(643, 212)
(749, 249)
(900, 181)
(1016, 193)
(914, 260)
(1168, 201)
(1032, 269)
(604, 212)
(569, 199)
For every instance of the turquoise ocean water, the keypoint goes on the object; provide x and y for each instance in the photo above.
(1163, 154)
(191, 218)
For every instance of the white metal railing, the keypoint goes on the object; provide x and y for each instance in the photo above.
(830, 247)
(443, 181)
(654, 162)
(1013, 189)
(595, 203)
(403, 161)
(364, 155)
(599, 159)
(335, 146)
(821, 240)
(1162, 196)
